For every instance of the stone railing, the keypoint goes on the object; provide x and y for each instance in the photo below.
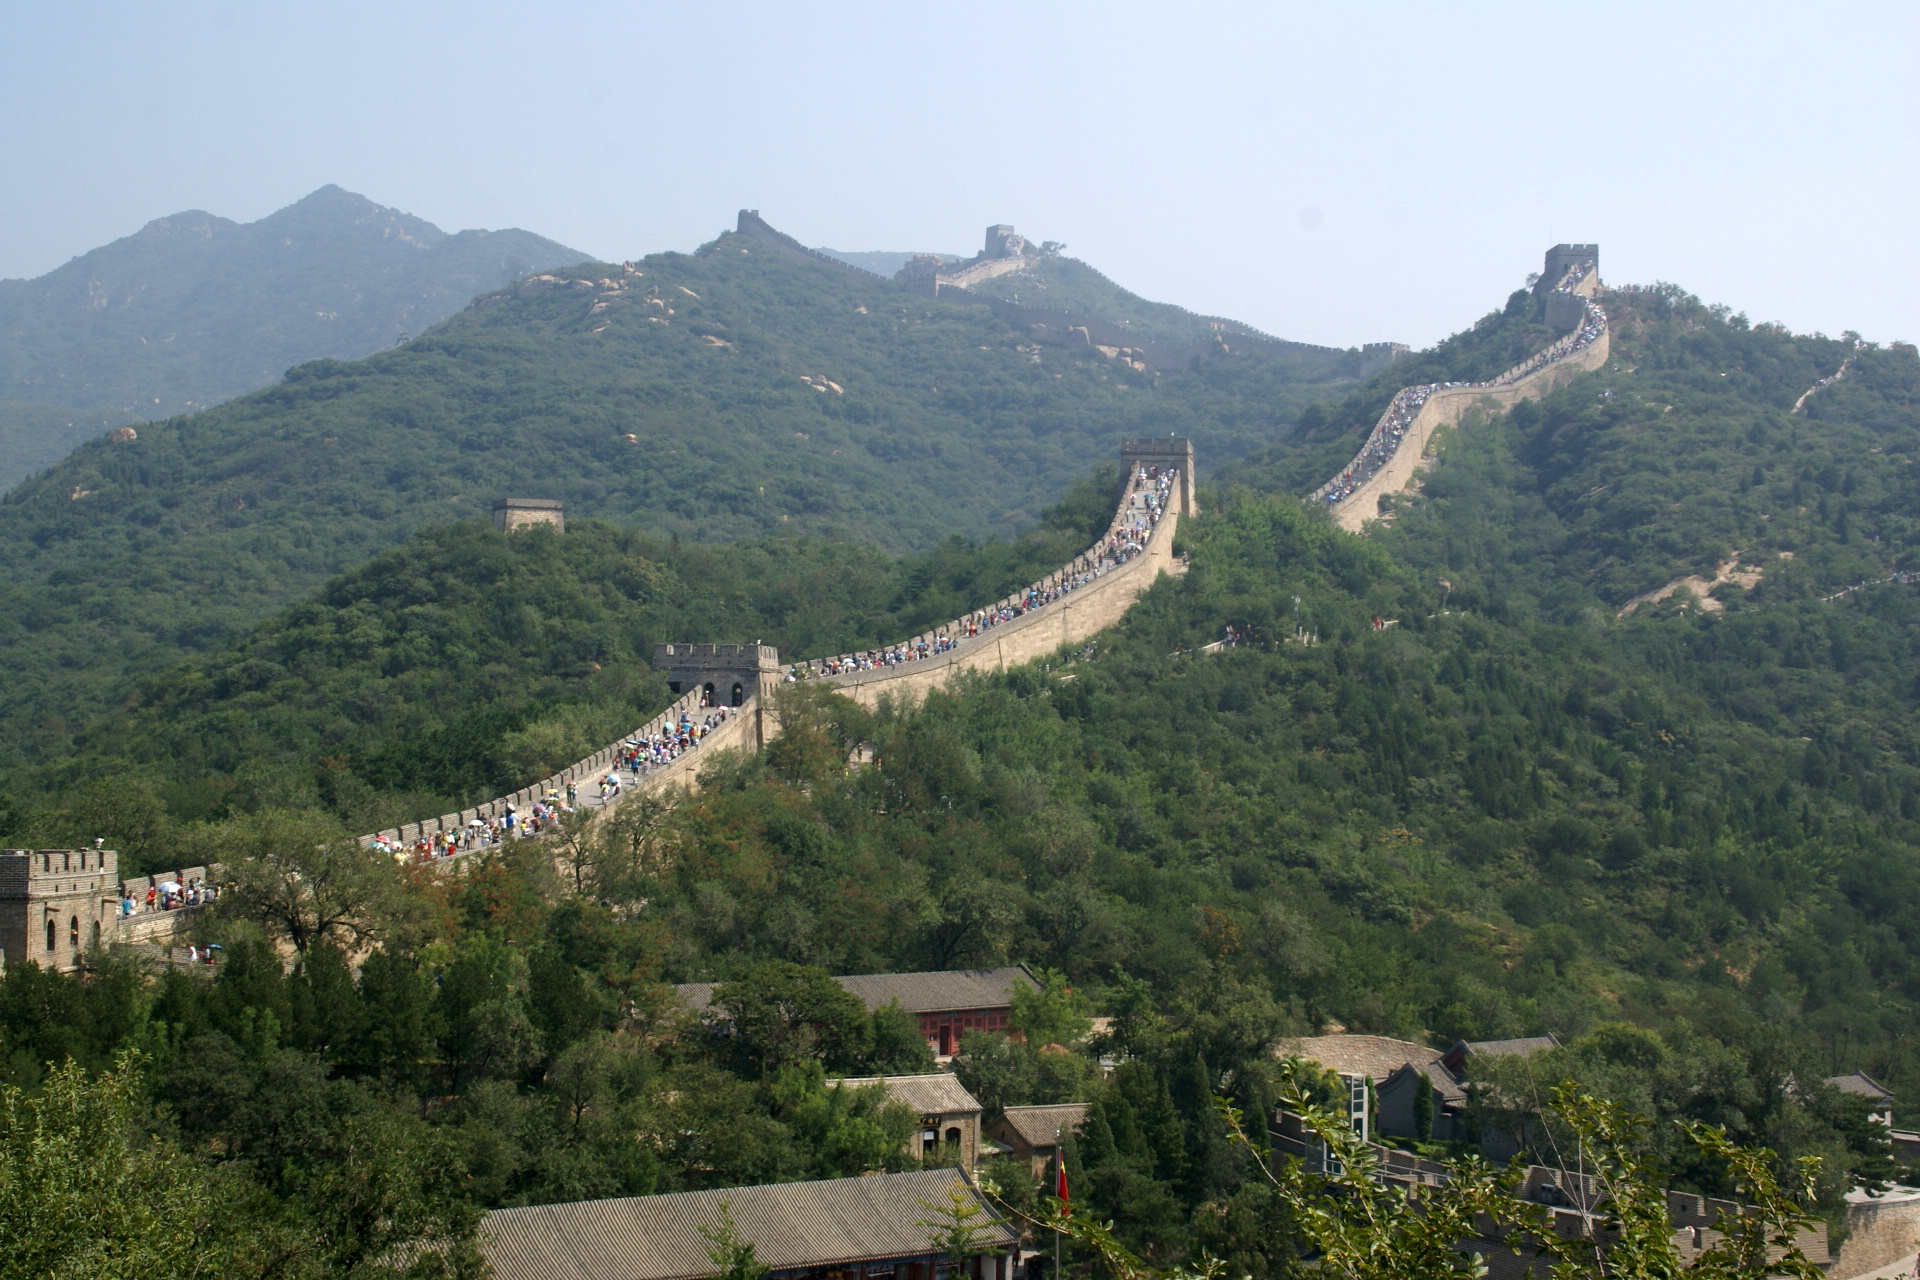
(1129, 536)
(719, 726)
(1399, 440)
(1088, 595)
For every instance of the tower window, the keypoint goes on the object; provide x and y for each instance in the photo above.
(50, 934)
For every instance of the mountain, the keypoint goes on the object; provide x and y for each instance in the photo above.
(1610, 731)
(195, 309)
(739, 391)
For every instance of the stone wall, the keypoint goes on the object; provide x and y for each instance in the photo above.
(1879, 1232)
(1445, 408)
(1071, 619)
(1417, 412)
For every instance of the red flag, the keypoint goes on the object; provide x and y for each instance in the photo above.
(1060, 1177)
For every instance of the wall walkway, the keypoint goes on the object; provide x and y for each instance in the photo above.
(1066, 607)
(1403, 437)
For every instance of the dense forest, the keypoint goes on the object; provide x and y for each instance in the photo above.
(1449, 784)
(671, 396)
(455, 667)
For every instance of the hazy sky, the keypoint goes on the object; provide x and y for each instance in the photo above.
(1332, 172)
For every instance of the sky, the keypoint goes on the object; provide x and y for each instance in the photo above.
(1330, 173)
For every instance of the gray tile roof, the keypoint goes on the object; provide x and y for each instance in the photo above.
(936, 1092)
(792, 1225)
(941, 992)
(1376, 1056)
(1861, 1083)
(1036, 1125)
(1510, 1048)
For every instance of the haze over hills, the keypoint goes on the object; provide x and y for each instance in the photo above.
(194, 309)
(1587, 738)
(738, 391)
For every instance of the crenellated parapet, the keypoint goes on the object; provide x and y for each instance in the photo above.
(724, 688)
(1399, 440)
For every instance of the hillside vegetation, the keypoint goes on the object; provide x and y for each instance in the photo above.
(675, 398)
(1443, 788)
(194, 309)
(1068, 284)
(455, 667)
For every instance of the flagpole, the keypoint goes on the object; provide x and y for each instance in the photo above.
(1059, 1171)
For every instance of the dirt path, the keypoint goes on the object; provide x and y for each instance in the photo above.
(1730, 571)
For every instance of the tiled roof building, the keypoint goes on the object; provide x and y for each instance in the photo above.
(947, 1004)
(1034, 1132)
(867, 1226)
(948, 1114)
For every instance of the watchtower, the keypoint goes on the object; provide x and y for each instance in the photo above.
(55, 904)
(518, 513)
(1163, 452)
(1562, 258)
(1375, 356)
(1004, 242)
(723, 674)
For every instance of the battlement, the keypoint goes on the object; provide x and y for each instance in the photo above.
(1175, 452)
(518, 513)
(54, 903)
(728, 654)
(1562, 258)
(31, 870)
(1375, 356)
(1004, 242)
(723, 674)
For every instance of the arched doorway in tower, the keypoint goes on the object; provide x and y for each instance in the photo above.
(96, 933)
(706, 695)
(739, 693)
(52, 934)
(73, 932)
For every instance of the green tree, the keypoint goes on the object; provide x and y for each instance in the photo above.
(1052, 1012)
(961, 1229)
(731, 1253)
(84, 1193)
(302, 877)
(783, 1013)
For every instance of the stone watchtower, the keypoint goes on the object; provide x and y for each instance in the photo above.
(723, 674)
(1375, 356)
(518, 513)
(1162, 451)
(55, 904)
(1562, 258)
(1566, 311)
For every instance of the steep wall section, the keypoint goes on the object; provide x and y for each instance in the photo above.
(1401, 439)
(1082, 598)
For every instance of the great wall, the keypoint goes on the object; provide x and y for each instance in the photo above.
(727, 689)
(1403, 436)
(726, 693)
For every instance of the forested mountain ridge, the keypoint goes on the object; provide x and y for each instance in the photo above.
(194, 309)
(1441, 787)
(465, 661)
(690, 395)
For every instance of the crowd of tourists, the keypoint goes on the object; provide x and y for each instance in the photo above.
(635, 757)
(1391, 431)
(645, 752)
(1145, 503)
(167, 895)
(656, 748)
